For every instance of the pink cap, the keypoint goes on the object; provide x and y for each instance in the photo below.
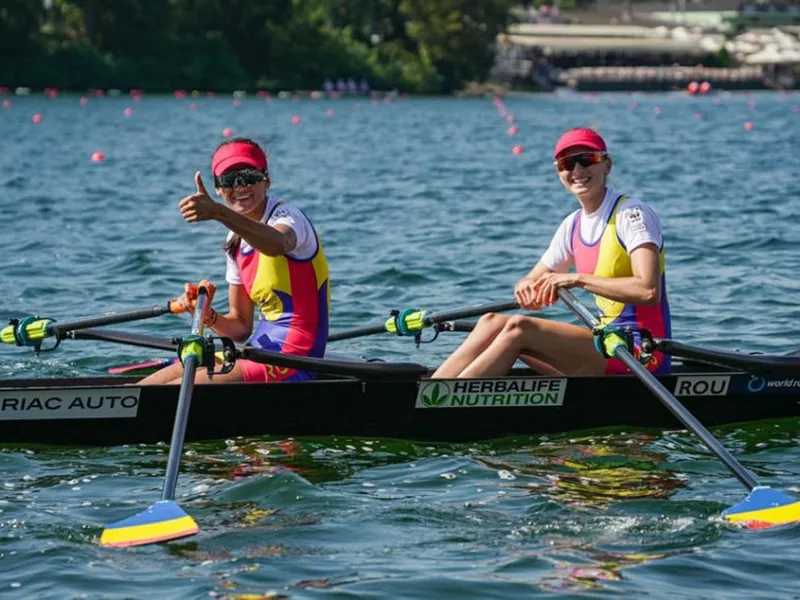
(237, 153)
(580, 137)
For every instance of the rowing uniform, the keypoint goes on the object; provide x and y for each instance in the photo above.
(291, 292)
(600, 244)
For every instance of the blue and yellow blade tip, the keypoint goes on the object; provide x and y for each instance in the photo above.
(163, 521)
(764, 508)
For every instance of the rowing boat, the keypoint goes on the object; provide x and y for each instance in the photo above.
(113, 410)
(399, 400)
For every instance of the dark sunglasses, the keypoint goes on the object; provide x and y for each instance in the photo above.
(240, 178)
(584, 159)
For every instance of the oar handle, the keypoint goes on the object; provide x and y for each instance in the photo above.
(620, 351)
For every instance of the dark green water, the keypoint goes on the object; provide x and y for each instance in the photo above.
(420, 203)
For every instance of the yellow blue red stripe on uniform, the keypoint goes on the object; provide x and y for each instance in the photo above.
(164, 520)
(763, 508)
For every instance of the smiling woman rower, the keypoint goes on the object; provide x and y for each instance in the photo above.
(275, 264)
(615, 244)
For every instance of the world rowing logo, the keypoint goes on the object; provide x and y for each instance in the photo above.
(756, 384)
(435, 394)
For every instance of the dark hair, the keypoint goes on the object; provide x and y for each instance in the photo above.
(231, 245)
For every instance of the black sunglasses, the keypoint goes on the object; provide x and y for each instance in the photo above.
(584, 159)
(240, 178)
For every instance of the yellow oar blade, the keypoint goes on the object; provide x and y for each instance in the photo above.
(163, 521)
(764, 508)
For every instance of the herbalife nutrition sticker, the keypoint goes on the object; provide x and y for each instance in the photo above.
(75, 403)
(466, 393)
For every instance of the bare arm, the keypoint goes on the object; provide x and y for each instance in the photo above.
(268, 240)
(644, 287)
(237, 324)
(537, 271)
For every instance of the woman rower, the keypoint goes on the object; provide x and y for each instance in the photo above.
(275, 263)
(615, 244)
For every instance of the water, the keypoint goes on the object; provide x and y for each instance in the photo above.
(420, 203)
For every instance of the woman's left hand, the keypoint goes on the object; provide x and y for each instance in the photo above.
(198, 206)
(547, 286)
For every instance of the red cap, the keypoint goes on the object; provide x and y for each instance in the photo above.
(237, 153)
(580, 137)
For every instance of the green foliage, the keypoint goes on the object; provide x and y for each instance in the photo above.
(426, 46)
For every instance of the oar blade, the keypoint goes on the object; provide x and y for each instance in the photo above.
(764, 508)
(163, 521)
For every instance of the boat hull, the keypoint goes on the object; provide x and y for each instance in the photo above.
(112, 411)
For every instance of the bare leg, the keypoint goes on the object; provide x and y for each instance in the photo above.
(541, 367)
(174, 373)
(487, 328)
(565, 347)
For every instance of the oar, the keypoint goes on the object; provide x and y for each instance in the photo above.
(411, 321)
(763, 507)
(166, 520)
(347, 368)
(31, 331)
(763, 364)
(124, 337)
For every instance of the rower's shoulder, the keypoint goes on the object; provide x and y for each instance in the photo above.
(634, 204)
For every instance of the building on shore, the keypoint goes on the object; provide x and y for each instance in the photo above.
(655, 57)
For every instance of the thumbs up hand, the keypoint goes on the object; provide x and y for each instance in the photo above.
(198, 206)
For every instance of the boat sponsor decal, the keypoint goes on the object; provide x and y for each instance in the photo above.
(73, 403)
(702, 385)
(468, 393)
(773, 385)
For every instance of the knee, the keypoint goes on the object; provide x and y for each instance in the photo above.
(519, 327)
(491, 321)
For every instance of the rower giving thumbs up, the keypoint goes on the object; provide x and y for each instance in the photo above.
(198, 206)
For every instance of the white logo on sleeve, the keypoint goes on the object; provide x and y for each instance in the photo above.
(635, 215)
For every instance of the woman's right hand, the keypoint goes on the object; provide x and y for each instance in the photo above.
(188, 299)
(525, 294)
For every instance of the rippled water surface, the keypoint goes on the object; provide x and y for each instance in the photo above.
(420, 203)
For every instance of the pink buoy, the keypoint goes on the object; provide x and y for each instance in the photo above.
(693, 88)
(705, 87)
(511, 119)
(237, 102)
(656, 110)
(295, 120)
(83, 101)
(512, 130)
(128, 111)
(748, 126)
(517, 150)
(227, 132)
(330, 112)
(98, 157)
(37, 118)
